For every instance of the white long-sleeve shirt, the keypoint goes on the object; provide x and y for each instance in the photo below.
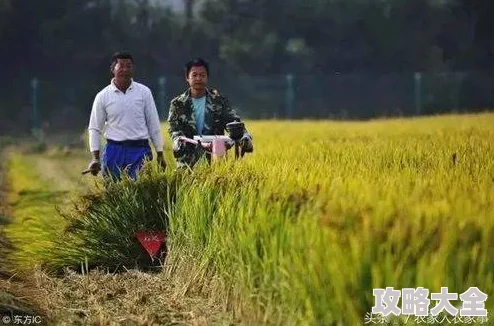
(128, 116)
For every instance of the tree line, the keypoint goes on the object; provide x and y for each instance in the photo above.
(67, 43)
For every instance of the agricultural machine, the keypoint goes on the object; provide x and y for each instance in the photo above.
(154, 242)
(218, 145)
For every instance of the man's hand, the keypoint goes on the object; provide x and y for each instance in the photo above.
(94, 167)
(177, 145)
(161, 160)
(246, 143)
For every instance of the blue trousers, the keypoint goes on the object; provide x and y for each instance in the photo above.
(117, 158)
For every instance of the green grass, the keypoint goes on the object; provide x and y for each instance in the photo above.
(13, 294)
(36, 223)
(301, 231)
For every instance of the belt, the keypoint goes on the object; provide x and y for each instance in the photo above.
(129, 143)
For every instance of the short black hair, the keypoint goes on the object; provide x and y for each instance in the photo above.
(198, 62)
(120, 55)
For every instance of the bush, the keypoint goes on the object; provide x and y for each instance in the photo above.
(101, 224)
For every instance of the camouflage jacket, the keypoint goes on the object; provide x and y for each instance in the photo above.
(182, 122)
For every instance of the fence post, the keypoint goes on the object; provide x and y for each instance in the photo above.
(162, 97)
(290, 97)
(34, 103)
(418, 93)
(459, 77)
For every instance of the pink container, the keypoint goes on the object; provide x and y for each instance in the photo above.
(218, 149)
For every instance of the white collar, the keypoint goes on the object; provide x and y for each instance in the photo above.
(115, 88)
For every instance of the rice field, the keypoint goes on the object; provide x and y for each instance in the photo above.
(298, 233)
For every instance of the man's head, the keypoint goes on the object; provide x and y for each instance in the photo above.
(122, 66)
(197, 73)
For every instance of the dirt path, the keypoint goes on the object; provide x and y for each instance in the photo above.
(130, 298)
(62, 171)
(13, 291)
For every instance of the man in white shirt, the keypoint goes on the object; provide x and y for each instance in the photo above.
(129, 111)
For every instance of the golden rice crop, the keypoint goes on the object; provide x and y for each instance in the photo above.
(302, 230)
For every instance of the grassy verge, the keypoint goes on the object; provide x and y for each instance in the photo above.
(32, 204)
(14, 293)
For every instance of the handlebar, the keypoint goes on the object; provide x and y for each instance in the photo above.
(210, 143)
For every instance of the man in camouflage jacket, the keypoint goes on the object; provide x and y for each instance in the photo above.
(199, 111)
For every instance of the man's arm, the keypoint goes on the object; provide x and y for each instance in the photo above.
(154, 127)
(229, 115)
(96, 124)
(153, 123)
(95, 130)
(174, 121)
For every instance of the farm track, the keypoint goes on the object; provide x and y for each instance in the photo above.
(14, 291)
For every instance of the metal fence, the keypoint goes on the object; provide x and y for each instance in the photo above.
(61, 104)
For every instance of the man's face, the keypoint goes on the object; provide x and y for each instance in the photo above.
(197, 78)
(123, 69)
